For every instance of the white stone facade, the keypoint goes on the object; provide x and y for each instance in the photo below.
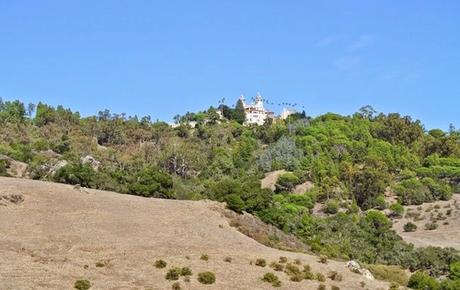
(256, 112)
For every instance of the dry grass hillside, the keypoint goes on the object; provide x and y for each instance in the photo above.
(54, 234)
(444, 214)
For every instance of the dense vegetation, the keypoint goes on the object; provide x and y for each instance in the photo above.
(353, 162)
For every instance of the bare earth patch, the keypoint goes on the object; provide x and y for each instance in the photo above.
(270, 179)
(59, 235)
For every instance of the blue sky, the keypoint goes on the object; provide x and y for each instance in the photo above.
(161, 58)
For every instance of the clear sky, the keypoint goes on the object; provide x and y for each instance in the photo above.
(161, 58)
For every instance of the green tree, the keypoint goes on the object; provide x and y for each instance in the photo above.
(152, 182)
(239, 114)
(235, 203)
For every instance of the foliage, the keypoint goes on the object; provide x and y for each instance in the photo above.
(397, 210)
(422, 281)
(160, 264)
(455, 270)
(151, 182)
(331, 207)
(272, 279)
(393, 274)
(235, 203)
(82, 285)
(185, 271)
(173, 274)
(261, 262)
(348, 158)
(239, 114)
(206, 278)
(3, 167)
(410, 227)
(286, 182)
(283, 154)
(83, 175)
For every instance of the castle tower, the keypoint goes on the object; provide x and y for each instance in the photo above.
(259, 102)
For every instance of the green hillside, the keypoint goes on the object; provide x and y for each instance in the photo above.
(356, 163)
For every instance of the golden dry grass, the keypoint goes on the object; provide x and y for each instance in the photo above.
(58, 234)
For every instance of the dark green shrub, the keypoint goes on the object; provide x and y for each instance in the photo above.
(412, 191)
(320, 277)
(333, 287)
(3, 167)
(173, 274)
(394, 286)
(152, 182)
(76, 174)
(228, 259)
(206, 278)
(100, 264)
(397, 210)
(235, 203)
(331, 207)
(455, 270)
(410, 227)
(431, 226)
(380, 202)
(298, 262)
(450, 284)
(321, 287)
(283, 260)
(297, 277)
(292, 269)
(176, 286)
(286, 182)
(204, 257)
(309, 276)
(272, 279)
(335, 276)
(323, 259)
(160, 264)
(82, 285)
(185, 271)
(277, 266)
(422, 281)
(261, 262)
(294, 273)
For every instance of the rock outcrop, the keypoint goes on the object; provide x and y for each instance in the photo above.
(88, 159)
(355, 267)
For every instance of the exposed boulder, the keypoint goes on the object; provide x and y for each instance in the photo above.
(270, 179)
(355, 267)
(15, 168)
(303, 187)
(47, 169)
(58, 165)
(88, 159)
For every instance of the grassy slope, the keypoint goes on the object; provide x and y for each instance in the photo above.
(58, 229)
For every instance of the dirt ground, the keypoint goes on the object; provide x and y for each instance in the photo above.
(448, 232)
(54, 234)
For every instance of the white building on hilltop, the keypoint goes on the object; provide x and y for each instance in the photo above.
(256, 112)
